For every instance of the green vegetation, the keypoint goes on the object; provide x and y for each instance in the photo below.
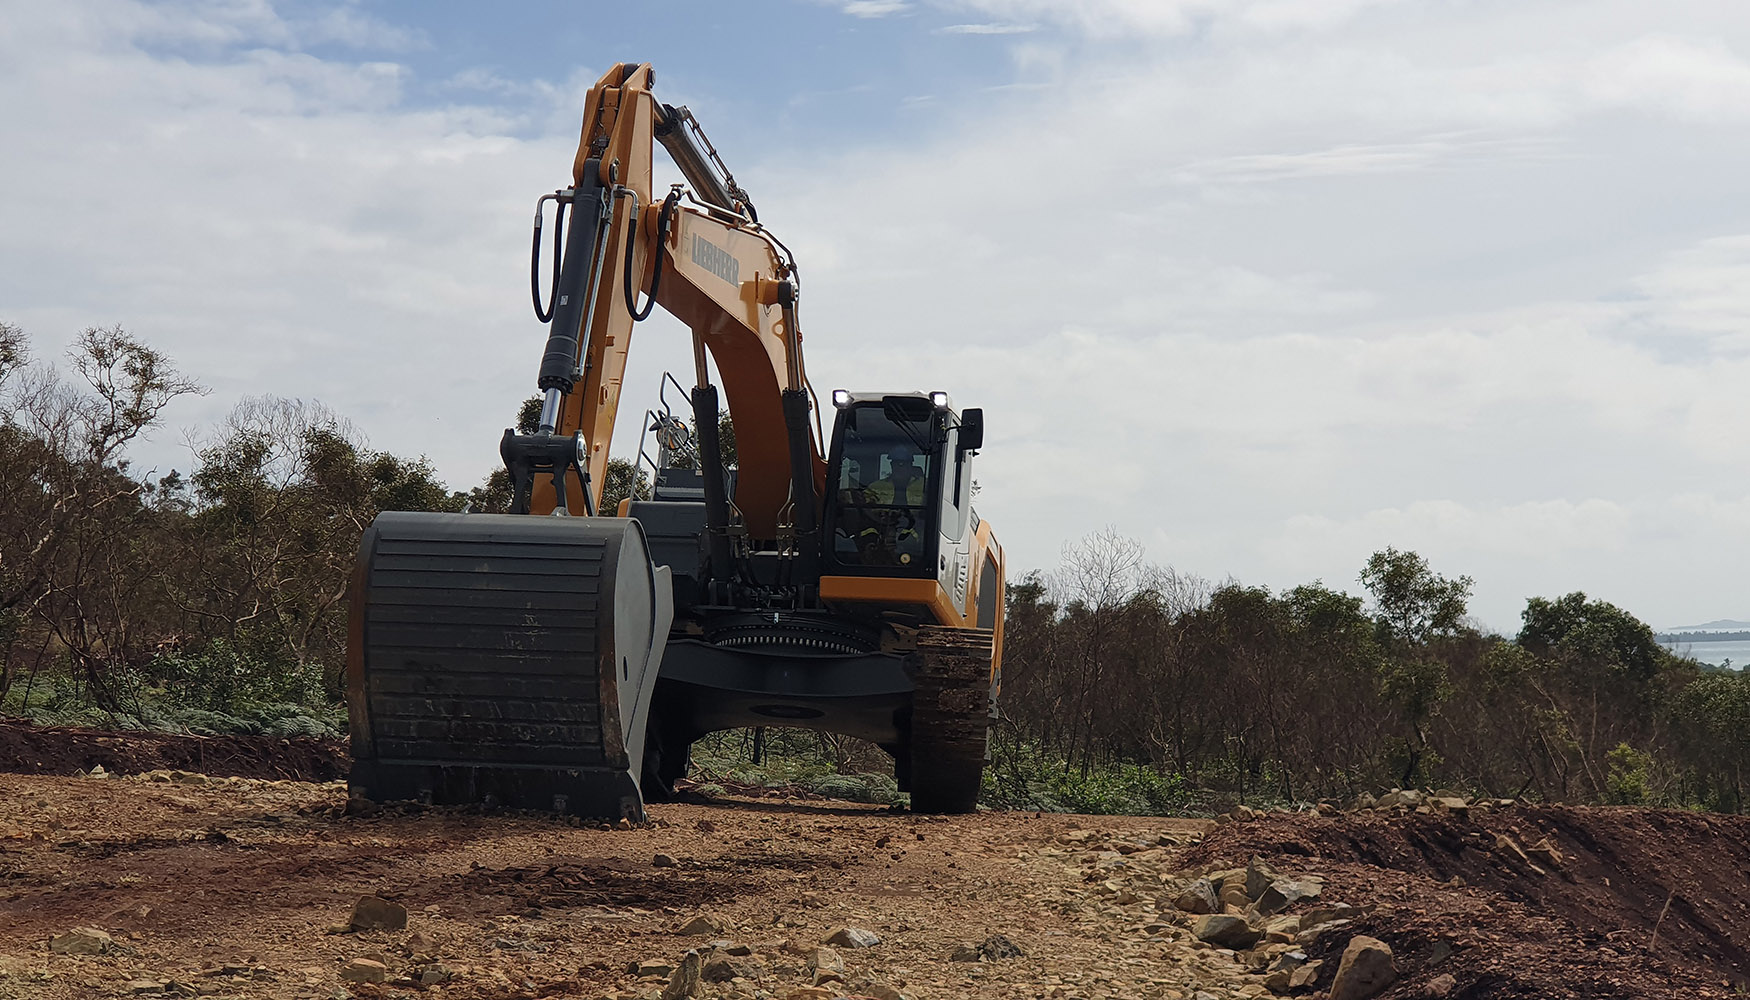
(1242, 694)
(215, 601)
(1024, 776)
(819, 763)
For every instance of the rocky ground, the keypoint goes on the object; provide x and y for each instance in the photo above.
(174, 883)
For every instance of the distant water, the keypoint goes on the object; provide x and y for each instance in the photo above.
(1715, 652)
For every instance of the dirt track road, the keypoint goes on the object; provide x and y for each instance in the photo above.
(229, 887)
(248, 874)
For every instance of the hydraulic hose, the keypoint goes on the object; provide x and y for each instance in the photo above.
(640, 315)
(546, 316)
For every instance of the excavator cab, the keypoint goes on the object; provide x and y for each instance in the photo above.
(899, 484)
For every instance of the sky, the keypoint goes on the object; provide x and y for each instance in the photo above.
(1265, 285)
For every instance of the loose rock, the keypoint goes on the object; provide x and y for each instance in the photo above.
(828, 966)
(880, 991)
(664, 861)
(1442, 985)
(1289, 960)
(685, 980)
(420, 943)
(1225, 931)
(1285, 892)
(1365, 970)
(651, 967)
(1259, 875)
(723, 968)
(82, 941)
(1282, 928)
(704, 925)
(1233, 893)
(364, 970)
(373, 913)
(1324, 914)
(852, 937)
(997, 947)
(1198, 897)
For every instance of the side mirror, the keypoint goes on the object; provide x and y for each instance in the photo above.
(972, 430)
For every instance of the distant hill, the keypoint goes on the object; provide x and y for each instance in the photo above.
(1723, 625)
(1692, 638)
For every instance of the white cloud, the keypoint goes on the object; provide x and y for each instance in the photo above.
(1695, 79)
(1471, 280)
(347, 26)
(873, 8)
(1704, 289)
(987, 29)
(1432, 151)
(1119, 18)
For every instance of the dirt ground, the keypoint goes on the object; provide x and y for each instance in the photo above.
(247, 875)
(31, 749)
(1551, 901)
(232, 887)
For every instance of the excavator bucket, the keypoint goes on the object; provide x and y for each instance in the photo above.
(504, 660)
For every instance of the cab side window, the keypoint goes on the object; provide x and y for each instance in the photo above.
(953, 462)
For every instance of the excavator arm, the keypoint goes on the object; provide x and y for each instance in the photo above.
(707, 261)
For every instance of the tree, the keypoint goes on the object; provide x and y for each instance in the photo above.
(1597, 632)
(726, 439)
(281, 496)
(1413, 603)
(1413, 606)
(14, 351)
(70, 514)
(1100, 575)
(1336, 668)
(528, 415)
(1598, 677)
(1712, 719)
(624, 479)
(493, 495)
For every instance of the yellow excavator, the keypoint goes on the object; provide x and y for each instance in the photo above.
(561, 657)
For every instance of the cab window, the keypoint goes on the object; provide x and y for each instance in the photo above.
(882, 489)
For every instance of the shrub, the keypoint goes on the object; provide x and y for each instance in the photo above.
(232, 677)
(1628, 775)
(879, 789)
